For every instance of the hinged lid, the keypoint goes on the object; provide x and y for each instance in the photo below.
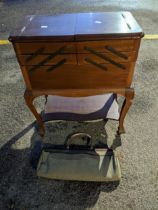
(79, 26)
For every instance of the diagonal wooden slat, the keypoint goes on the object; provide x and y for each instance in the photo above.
(105, 57)
(114, 51)
(56, 65)
(36, 53)
(46, 59)
(96, 64)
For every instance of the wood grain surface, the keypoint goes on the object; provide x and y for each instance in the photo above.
(78, 55)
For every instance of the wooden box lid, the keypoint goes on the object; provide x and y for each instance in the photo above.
(77, 26)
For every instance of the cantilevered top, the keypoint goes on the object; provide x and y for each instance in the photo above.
(77, 26)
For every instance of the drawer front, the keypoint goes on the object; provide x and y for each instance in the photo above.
(93, 64)
(102, 58)
(78, 76)
(47, 59)
(45, 47)
(106, 46)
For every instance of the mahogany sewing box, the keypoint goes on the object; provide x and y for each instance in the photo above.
(78, 55)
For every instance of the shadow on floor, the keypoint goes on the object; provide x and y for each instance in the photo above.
(19, 180)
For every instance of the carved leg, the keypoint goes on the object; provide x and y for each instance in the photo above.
(129, 95)
(29, 101)
(46, 97)
(116, 97)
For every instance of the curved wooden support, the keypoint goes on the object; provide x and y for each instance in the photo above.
(29, 98)
(46, 98)
(129, 95)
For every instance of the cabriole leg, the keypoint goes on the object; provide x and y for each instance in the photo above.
(129, 95)
(29, 101)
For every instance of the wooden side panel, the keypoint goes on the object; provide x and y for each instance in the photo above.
(75, 76)
(24, 72)
(29, 60)
(128, 57)
(68, 68)
(100, 46)
(44, 47)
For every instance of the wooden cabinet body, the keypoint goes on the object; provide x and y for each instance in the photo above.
(78, 54)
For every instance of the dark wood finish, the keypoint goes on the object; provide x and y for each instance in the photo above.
(56, 28)
(78, 55)
(81, 26)
(97, 26)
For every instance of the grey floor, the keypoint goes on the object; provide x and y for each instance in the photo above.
(138, 148)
